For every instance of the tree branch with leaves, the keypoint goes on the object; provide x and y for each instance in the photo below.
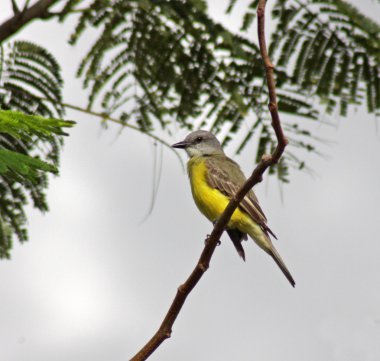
(160, 66)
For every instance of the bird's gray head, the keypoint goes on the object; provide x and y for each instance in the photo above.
(200, 142)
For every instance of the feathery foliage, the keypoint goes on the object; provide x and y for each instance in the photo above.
(30, 80)
(29, 147)
(167, 64)
(164, 61)
(339, 52)
(30, 83)
(330, 50)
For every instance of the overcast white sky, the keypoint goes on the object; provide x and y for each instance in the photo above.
(94, 284)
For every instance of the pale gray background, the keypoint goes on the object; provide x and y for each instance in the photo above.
(94, 284)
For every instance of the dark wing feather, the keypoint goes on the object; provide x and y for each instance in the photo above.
(219, 176)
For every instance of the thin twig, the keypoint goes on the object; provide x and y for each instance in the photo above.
(105, 116)
(184, 290)
(26, 5)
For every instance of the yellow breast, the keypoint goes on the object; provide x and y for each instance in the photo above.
(210, 201)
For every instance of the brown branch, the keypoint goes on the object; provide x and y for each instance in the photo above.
(184, 290)
(20, 18)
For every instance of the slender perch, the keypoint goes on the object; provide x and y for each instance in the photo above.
(267, 160)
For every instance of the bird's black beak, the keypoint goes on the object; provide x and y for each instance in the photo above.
(181, 145)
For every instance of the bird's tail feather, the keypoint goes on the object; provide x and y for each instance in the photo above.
(280, 263)
(263, 240)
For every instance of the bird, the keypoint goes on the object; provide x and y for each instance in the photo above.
(214, 180)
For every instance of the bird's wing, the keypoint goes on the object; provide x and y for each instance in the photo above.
(226, 176)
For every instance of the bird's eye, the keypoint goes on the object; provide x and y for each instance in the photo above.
(199, 139)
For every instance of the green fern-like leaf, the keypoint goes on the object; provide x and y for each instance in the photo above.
(22, 167)
(29, 147)
(24, 126)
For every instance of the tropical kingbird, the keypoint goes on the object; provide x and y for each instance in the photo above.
(214, 179)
